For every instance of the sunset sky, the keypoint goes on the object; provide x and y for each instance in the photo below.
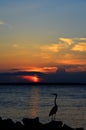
(41, 35)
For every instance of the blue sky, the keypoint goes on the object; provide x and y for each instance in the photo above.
(62, 17)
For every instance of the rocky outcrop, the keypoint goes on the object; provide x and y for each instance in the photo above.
(32, 124)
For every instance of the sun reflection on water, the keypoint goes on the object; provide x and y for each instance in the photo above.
(35, 102)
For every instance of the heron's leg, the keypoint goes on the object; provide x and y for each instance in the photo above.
(54, 116)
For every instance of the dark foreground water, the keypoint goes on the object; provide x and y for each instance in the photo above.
(18, 102)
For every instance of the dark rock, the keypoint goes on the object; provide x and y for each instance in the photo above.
(27, 121)
(19, 126)
(8, 124)
(53, 125)
(79, 129)
(0, 118)
(32, 124)
(66, 127)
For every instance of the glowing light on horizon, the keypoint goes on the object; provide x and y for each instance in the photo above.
(33, 78)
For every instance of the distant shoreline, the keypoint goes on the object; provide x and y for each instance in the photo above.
(18, 83)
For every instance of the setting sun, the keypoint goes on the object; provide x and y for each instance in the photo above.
(33, 78)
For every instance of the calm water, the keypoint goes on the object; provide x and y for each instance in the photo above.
(17, 102)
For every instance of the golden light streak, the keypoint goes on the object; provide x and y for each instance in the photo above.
(35, 102)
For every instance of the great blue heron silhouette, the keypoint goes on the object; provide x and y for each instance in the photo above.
(54, 109)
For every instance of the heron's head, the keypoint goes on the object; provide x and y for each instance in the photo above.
(55, 94)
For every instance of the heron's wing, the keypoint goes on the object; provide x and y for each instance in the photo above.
(53, 111)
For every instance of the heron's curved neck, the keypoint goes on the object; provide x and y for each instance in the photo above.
(55, 100)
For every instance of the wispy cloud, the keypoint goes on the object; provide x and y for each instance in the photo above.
(50, 48)
(1, 22)
(68, 41)
(15, 45)
(75, 68)
(45, 69)
(5, 24)
(56, 47)
(79, 47)
(19, 45)
(83, 39)
(65, 51)
(69, 44)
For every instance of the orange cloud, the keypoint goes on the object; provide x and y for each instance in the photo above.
(17, 54)
(53, 48)
(50, 48)
(48, 69)
(79, 47)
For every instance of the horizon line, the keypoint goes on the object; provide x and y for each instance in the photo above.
(41, 83)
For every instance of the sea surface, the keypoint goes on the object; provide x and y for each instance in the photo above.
(27, 101)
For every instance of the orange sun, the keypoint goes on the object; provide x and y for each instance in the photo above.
(30, 78)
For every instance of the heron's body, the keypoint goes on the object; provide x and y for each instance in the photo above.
(54, 109)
